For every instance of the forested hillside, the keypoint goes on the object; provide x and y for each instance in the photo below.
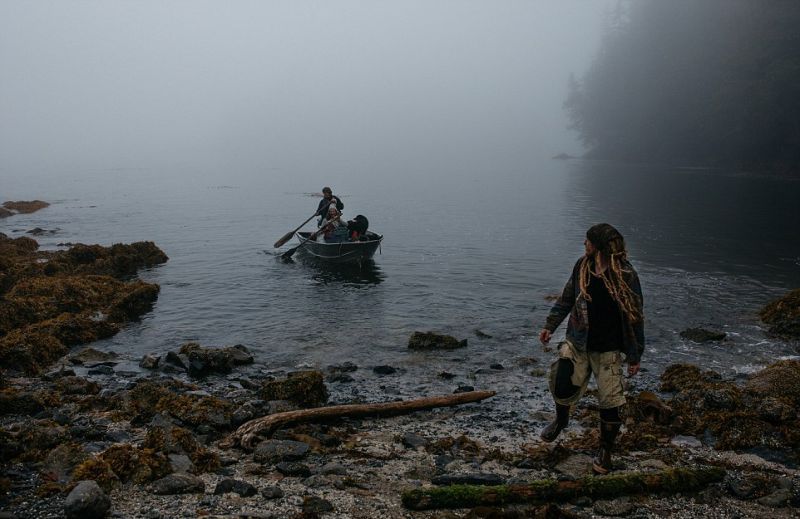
(704, 82)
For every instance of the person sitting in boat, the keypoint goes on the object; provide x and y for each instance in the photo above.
(334, 230)
(327, 200)
(357, 227)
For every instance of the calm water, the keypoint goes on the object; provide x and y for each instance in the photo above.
(481, 252)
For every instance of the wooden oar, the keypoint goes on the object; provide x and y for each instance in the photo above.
(288, 254)
(288, 236)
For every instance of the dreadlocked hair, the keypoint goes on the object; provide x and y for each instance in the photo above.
(610, 243)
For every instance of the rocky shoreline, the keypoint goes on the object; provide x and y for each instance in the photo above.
(155, 439)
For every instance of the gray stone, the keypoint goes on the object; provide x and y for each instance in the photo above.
(463, 389)
(272, 492)
(576, 466)
(316, 505)
(702, 335)
(87, 501)
(181, 463)
(293, 469)
(101, 370)
(412, 441)
(150, 361)
(777, 499)
(178, 484)
(384, 370)
(242, 488)
(91, 356)
(272, 451)
(434, 341)
(689, 442)
(333, 468)
(653, 464)
(479, 478)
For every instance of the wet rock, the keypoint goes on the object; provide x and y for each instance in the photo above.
(177, 360)
(614, 508)
(38, 231)
(482, 335)
(272, 451)
(272, 492)
(201, 362)
(293, 469)
(25, 207)
(303, 388)
(150, 361)
(497, 367)
(77, 386)
(181, 463)
(782, 316)
(178, 484)
(345, 367)
(463, 388)
(5, 213)
(575, 466)
(702, 335)
(316, 505)
(434, 341)
(167, 438)
(384, 370)
(101, 370)
(17, 402)
(446, 375)
(86, 501)
(468, 479)
(776, 411)
(242, 488)
(61, 371)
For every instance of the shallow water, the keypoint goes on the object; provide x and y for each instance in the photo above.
(481, 253)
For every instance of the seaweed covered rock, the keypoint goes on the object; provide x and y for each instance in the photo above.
(303, 388)
(205, 361)
(167, 438)
(782, 316)
(434, 341)
(55, 300)
(25, 207)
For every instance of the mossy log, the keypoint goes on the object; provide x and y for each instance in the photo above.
(247, 435)
(669, 481)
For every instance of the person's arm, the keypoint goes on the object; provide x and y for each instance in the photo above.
(339, 204)
(560, 310)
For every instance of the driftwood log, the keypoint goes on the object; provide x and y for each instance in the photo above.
(669, 481)
(247, 435)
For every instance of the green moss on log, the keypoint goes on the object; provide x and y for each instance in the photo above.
(669, 481)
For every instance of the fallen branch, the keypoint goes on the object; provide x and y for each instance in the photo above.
(549, 490)
(247, 434)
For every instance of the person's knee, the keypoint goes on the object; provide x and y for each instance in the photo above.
(563, 384)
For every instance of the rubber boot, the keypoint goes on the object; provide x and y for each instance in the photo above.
(552, 431)
(601, 464)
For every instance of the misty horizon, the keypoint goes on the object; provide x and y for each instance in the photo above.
(295, 85)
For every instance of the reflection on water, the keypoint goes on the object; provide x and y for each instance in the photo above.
(366, 273)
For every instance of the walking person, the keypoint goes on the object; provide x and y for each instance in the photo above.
(603, 299)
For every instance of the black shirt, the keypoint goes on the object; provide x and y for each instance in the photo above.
(605, 319)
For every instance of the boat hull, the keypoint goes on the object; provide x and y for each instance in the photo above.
(344, 252)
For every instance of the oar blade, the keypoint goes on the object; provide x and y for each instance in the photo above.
(288, 254)
(286, 237)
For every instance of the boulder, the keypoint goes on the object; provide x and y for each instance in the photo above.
(242, 488)
(303, 388)
(273, 451)
(201, 362)
(178, 484)
(25, 207)
(434, 341)
(87, 501)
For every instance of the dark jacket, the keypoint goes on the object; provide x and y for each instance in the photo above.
(572, 303)
(322, 208)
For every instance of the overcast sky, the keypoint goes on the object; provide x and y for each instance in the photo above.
(140, 83)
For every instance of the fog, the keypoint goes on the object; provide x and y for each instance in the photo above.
(289, 86)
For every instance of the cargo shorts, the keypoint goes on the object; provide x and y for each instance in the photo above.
(607, 369)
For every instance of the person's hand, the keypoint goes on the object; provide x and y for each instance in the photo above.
(633, 369)
(545, 335)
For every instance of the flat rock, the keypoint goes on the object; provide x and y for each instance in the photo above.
(412, 440)
(576, 466)
(273, 451)
(242, 488)
(777, 499)
(686, 441)
(178, 484)
(316, 505)
(702, 335)
(293, 469)
(434, 341)
(614, 508)
(92, 356)
(384, 370)
(272, 492)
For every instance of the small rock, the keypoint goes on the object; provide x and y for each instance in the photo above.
(481, 334)
(342, 378)
(333, 469)
(271, 451)
(101, 370)
(464, 389)
(293, 469)
(316, 505)
(412, 441)
(446, 375)
(92, 356)
(434, 341)
(181, 463)
(150, 361)
(86, 501)
(689, 442)
(653, 464)
(272, 492)
(178, 484)
(242, 488)
(576, 466)
(384, 370)
(61, 372)
(702, 335)
(497, 366)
